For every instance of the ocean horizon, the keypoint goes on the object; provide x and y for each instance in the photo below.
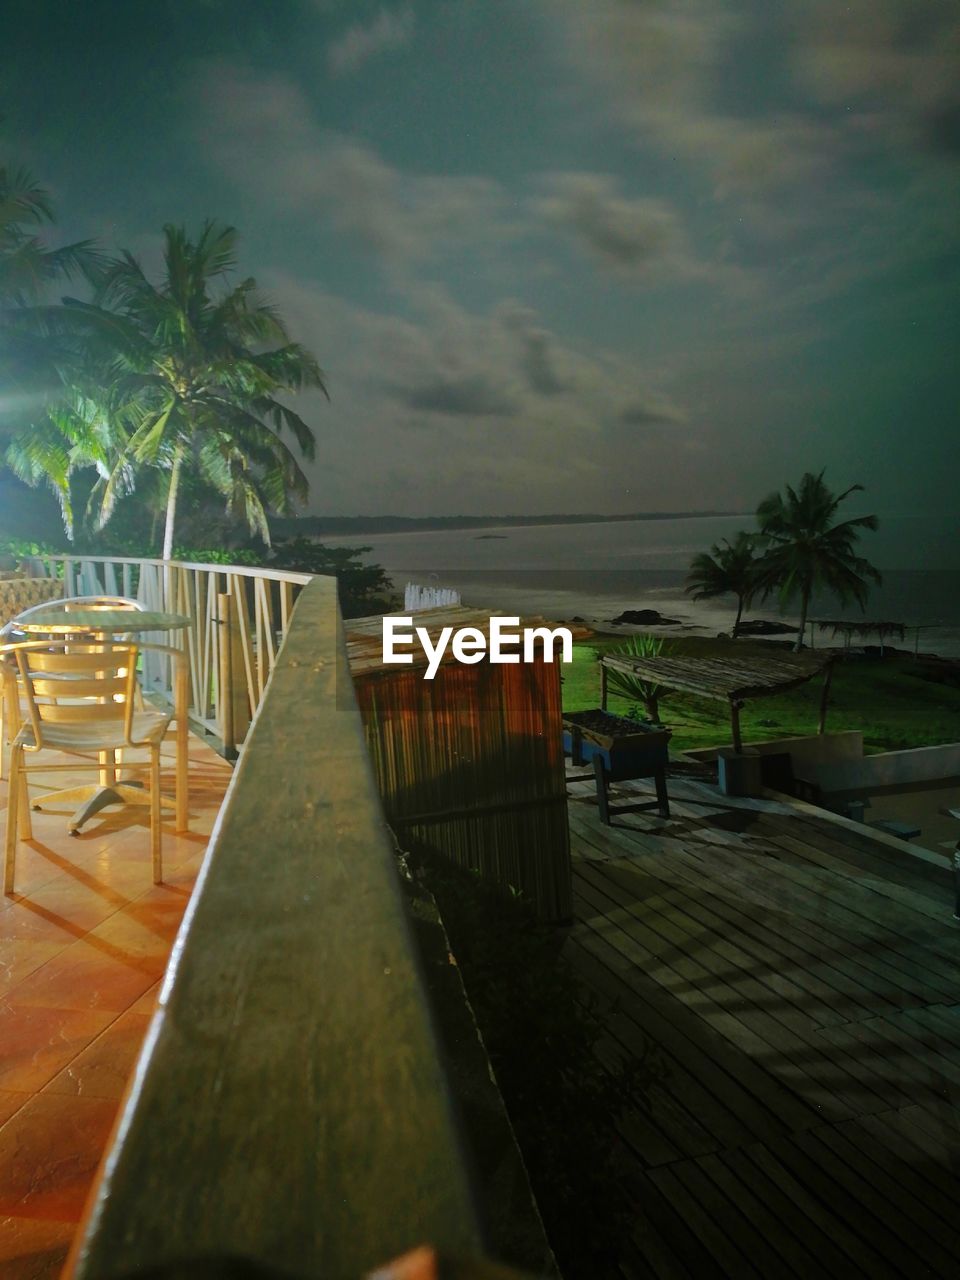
(595, 571)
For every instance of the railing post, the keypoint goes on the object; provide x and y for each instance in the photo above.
(234, 703)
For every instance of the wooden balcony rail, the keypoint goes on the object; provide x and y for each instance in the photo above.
(290, 1106)
(239, 616)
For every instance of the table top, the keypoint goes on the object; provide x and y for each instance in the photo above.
(54, 621)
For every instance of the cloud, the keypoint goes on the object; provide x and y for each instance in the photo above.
(892, 65)
(664, 72)
(537, 356)
(390, 30)
(619, 231)
(638, 239)
(469, 396)
(443, 401)
(652, 413)
(262, 134)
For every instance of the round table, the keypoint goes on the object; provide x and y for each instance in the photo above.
(102, 624)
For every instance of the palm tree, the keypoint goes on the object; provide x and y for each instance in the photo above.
(32, 357)
(729, 569)
(190, 376)
(807, 549)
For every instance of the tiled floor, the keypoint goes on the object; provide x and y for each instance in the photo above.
(83, 946)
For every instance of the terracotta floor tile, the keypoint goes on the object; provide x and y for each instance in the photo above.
(148, 1001)
(92, 974)
(10, 1102)
(25, 921)
(19, 959)
(103, 1068)
(131, 936)
(33, 1249)
(36, 1043)
(83, 945)
(77, 906)
(49, 1152)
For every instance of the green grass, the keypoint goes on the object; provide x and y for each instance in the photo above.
(887, 701)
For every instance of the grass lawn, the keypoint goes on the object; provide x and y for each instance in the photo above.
(887, 700)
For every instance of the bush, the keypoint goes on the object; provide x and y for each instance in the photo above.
(364, 588)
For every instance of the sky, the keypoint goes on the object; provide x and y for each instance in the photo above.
(552, 255)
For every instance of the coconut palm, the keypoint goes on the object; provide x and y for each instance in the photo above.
(32, 357)
(27, 266)
(807, 549)
(190, 372)
(728, 569)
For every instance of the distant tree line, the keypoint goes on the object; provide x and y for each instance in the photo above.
(798, 548)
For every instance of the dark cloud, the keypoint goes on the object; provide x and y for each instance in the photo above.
(623, 232)
(538, 365)
(651, 414)
(468, 396)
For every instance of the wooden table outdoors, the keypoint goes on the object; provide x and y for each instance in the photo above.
(105, 624)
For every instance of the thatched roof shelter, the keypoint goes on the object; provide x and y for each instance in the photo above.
(730, 680)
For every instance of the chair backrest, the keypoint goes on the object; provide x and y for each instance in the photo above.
(99, 684)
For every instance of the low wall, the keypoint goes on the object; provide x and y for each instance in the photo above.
(807, 753)
(890, 769)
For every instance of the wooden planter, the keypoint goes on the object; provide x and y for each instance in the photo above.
(619, 750)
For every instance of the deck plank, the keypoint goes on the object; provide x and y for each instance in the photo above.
(801, 982)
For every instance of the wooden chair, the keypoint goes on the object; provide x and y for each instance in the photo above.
(80, 698)
(10, 632)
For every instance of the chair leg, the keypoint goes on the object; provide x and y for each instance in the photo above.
(155, 831)
(25, 820)
(13, 804)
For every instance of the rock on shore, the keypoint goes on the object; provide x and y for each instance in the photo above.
(644, 618)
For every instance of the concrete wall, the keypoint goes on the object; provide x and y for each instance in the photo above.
(890, 769)
(807, 753)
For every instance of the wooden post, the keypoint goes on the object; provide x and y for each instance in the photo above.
(735, 726)
(181, 701)
(823, 700)
(603, 800)
(234, 702)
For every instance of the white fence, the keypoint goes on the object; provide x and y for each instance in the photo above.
(416, 597)
(238, 618)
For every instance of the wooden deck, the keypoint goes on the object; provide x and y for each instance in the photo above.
(796, 985)
(83, 945)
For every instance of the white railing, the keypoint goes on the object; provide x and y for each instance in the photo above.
(238, 615)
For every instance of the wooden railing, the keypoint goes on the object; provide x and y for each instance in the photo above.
(290, 1106)
(239, 616)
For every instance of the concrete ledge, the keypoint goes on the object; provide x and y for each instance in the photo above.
(806, 752)
(890, 768)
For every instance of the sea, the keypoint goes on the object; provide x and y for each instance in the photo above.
(595, 571)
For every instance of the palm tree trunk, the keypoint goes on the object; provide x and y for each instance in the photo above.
(172, 506)
(736, 625)
(804, 606)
